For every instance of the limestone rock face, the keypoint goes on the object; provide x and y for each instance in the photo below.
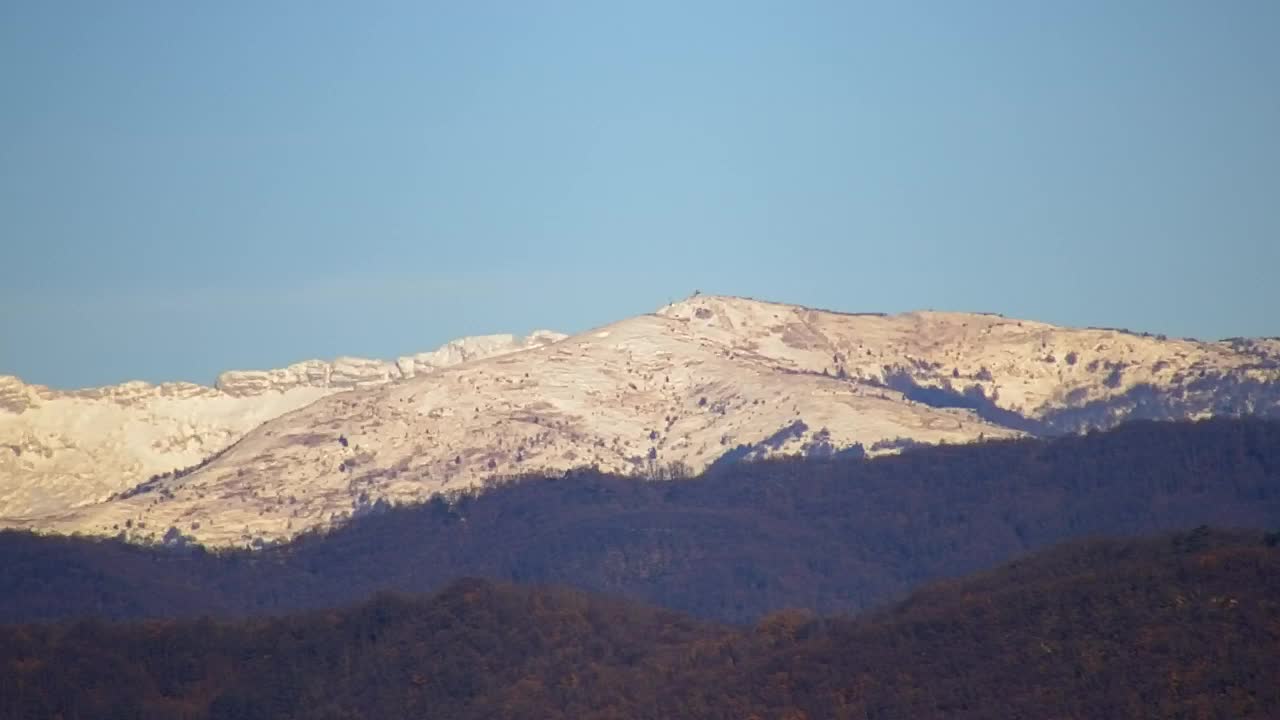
(63, 449)
(701, 381)
(346, 373)
(15, 396)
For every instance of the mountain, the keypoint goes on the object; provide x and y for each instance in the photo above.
(706, 380)
(64, 449)
(830, 534)
(1170, 627)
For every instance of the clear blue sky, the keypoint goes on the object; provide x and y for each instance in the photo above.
(190, 187)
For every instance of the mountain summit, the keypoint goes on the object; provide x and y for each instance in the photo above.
(705, 380)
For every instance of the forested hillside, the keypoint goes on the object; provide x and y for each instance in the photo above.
(1182, 626)
(831, 535)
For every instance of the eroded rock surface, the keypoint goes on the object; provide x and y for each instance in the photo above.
(705, 380)
(63, 449)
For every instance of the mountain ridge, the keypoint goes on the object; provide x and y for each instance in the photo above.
(681, 388)
(63, 448)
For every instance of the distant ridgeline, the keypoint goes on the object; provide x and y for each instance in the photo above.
(832, 534)
(1176, 626)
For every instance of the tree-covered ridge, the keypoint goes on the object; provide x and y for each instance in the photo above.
(1186, 626)
(833, 535)
(1181, 626)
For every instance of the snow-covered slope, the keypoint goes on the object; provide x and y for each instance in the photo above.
(701, 380)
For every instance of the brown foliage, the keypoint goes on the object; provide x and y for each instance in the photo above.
(1175, 627)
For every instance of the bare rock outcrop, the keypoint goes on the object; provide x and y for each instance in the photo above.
(704, 381)
(61, 449)
(346, 373)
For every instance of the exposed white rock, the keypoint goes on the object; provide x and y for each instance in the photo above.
(679, 387)
(63, 449)
(346, 373)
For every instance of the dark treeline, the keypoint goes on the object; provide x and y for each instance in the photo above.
(1181, 626)
(833, 535)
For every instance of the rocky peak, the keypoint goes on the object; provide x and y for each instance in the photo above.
(705, 381)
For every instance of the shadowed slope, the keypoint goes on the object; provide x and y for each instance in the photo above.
(834, 536)
(1172, 627)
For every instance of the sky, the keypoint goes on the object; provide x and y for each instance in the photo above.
(192, 187)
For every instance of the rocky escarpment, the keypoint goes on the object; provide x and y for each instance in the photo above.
(60, 449)
(710, 380)
(347, 373)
